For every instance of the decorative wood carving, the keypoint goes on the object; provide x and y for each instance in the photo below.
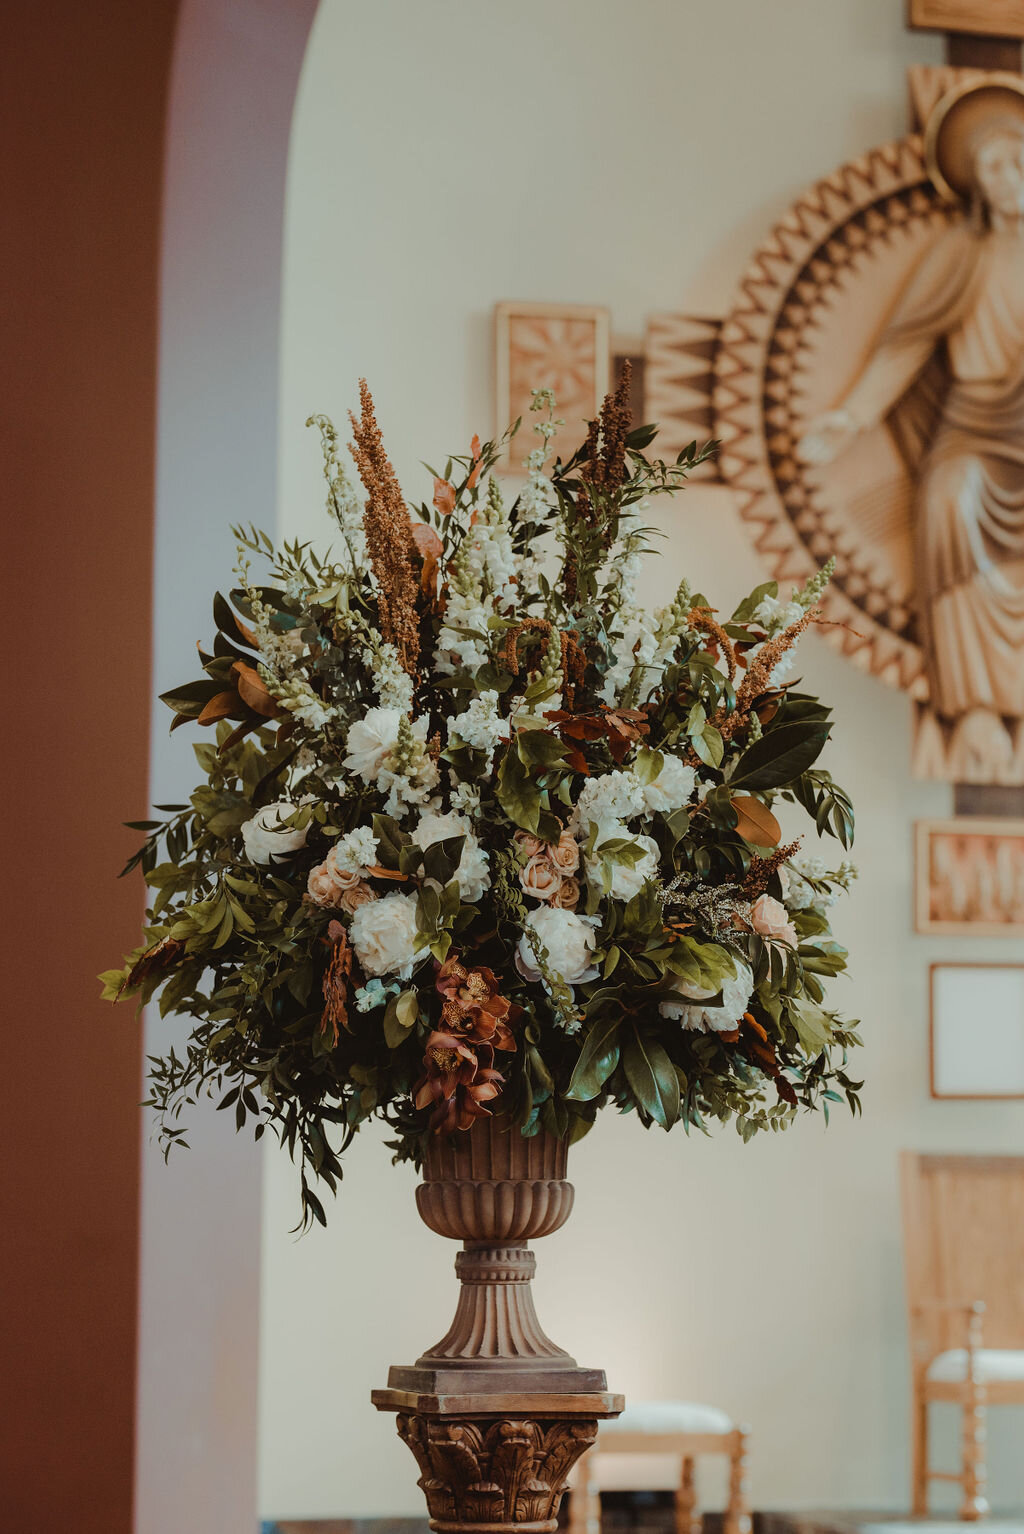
(564, 347)
(868, 395)
(970, 877)
(495, 1473)
(998, 18)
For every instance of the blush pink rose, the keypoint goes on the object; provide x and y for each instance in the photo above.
(567, 896)
(527, 844)
(355, 895)
(770, 918)
(324, 888)
(540, 878)
(565, 853)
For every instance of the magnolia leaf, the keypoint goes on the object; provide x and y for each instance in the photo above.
(781, 755)
(598, 1058)
(653, 1079)
(755, 822)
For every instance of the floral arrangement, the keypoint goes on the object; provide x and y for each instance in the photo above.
(479, 829)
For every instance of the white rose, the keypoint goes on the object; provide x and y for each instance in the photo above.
(473, 872)
(688, 1010)
(569, 939)
(672, 787)
(265, 836)
(383, 934)
(627, 879)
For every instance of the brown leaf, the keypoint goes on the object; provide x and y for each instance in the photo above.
(252, 690)
(755, 822)
(376, 872)
(221, 706)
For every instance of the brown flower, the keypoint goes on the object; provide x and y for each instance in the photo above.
(458, 1080)
(474, 1006)
(389, 535)
(335, 986)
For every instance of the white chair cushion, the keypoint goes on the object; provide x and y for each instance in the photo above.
(991, 1365)
(669, 1417)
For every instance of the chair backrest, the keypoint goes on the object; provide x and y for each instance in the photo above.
(963, 1234)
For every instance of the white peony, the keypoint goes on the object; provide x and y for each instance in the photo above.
(627, 879)
(473, 872)
(370, 742)
(267, 838)
(569, 940)
(672, 787)
(383, 934)
(691, 1014)
(355, 852)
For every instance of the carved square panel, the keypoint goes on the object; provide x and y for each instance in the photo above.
(563, 347)
(992, 18)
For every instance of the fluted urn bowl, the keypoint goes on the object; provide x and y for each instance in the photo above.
(494, 1190)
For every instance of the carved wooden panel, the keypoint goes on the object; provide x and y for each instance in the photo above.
(564, 347)
(814, 297)
(679, 353)
(996, 18)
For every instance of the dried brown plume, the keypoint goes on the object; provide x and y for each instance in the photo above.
(389, 537)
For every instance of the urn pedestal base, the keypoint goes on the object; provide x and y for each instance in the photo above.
(495, 1413)
(496, 1463)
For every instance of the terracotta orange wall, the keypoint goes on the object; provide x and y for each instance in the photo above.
(82, 149)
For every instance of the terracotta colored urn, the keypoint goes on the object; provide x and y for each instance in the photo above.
(495, 1190)
(496, 1414)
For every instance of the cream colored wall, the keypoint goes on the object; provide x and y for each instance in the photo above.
(446, 156)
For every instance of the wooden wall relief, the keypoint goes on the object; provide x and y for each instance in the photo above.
(564, 347)
(868, 391)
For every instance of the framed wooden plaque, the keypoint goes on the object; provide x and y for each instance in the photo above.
(992, 18)
(976, 1031)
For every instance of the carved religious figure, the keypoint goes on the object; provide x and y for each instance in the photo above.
(947, 376)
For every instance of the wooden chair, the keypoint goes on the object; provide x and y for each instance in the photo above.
(683, 1428)
(963, 1226)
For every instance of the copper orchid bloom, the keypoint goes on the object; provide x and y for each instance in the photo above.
(473, 1005)
(456, 1082)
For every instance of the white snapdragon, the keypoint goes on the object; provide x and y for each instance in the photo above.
(688, 1008)
(383, 934)
(608, 797)
(473, 872)
(356, 851)
(392, 682)
(774, 615)
(568, 940)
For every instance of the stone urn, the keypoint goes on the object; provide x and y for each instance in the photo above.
(496, 1413)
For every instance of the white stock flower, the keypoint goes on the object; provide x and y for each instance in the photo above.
(355, 852)
(569, 941)
(480, 725)
(383, 934)
(609, 796)
(392, 682)
(473, 872)
(775, 615)
(267, 838)
(690, 1012)
(627, 879)
(672, 788)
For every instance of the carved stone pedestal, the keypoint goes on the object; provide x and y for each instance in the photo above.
(496, 1462)
(495, 1413)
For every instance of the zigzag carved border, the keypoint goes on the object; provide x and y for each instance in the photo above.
(870, 198)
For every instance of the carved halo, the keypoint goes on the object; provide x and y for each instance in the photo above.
(811, 305)
(955, 121)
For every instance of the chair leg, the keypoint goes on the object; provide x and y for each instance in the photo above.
(688, 1519)
(919, 1455)
(974, 1504)
(737, 1512)
(584, 1497)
